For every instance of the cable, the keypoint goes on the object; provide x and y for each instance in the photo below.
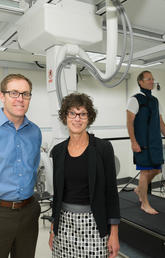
(130, 181)
(123, 1)
(91, 68)
(40, 66)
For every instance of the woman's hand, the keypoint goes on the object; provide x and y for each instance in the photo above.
(51, 240)
(51, 237)
(113, 242)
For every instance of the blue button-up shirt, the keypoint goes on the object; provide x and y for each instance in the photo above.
(19, 158)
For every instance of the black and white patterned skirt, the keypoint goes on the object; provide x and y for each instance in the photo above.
(78, 236)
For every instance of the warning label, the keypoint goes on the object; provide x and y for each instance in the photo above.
(50, 76)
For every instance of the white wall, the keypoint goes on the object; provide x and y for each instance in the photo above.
(108, 101)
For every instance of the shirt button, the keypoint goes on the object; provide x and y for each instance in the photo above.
(18, 145)
(20, 174)
(19, 160)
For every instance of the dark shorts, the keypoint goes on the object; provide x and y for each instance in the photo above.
(148, 168)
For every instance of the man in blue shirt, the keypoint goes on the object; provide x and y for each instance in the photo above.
(20, 142)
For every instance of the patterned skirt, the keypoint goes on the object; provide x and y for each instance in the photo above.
(78, 236)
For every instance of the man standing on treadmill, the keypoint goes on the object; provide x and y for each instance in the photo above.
(145, 125)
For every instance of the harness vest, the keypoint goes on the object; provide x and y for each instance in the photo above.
(147, 132)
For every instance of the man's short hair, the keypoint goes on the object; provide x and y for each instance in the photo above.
(11, 77)
(141, 76)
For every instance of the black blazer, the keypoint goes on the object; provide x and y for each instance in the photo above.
(103, 193)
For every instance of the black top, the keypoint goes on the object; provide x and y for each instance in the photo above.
(76, 185)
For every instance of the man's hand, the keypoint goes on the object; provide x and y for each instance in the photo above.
(135, 147)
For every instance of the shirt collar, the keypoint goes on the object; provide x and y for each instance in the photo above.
(141, 93)
(25, 122)
(4, 119)
(146, 91)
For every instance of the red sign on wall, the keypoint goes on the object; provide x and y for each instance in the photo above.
(50, 76)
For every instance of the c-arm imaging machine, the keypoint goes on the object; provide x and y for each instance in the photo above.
(63, 29)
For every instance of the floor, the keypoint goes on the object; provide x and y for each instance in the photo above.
(42, 249)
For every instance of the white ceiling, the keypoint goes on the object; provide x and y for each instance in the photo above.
(146, 17)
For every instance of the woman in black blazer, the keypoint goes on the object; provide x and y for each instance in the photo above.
(85, 202)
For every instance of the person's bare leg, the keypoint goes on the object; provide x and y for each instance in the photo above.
(146, 177)
(151, 175)
(136, 190)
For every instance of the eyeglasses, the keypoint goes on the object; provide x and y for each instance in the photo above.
(148, 79)
(16, 94)
(72, 115)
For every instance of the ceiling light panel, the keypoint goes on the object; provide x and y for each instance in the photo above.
(10, 3)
